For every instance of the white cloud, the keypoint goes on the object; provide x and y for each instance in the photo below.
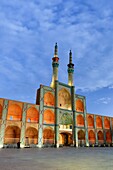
(104, 100)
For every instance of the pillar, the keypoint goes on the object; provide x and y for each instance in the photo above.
(96, 135)
(3, 123)
(104, 132)
(75, 134)
(56, 116)
(86, 128)
(23, 128)
(41, 111)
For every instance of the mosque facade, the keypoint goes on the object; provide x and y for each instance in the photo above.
(59, 117)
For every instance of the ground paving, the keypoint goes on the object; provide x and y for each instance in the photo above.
(66, 158)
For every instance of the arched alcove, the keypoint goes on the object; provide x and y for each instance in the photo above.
(100, 136)
(80, 120)
(49, 117)
(79, 105)
(81, 135)
(91, 136)
(64, 99)
(106, 123)
(108, 137)
(32, 115)
(14, 112)
(90, 121)
(31, 135)
(98, 122)
(49, 99)
(12, 135)
(48, 136)
(65, 138)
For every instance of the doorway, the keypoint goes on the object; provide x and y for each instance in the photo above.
(65, 139)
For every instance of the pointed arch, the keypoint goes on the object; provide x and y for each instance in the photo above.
(48, 136)
(98, 122)
(14, 112)
(49, 117)
(49, 99)
(32, 115)
(31, 135)
(108, 137)
(65, 138)
(100, 136)
(91, 136)
(79, 105)
(12, 135)
(106, 123)
(81, 135)
(80, 120)
(64, 99)
(90, 121)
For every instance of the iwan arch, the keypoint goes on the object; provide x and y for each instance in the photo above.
(59, 117)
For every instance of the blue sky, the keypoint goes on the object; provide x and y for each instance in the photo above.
(30, 28)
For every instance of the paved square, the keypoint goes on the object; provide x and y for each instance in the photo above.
(67, 158)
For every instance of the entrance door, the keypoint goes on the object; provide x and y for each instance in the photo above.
(65, 139)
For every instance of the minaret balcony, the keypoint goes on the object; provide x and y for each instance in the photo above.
(55, 64)
(70, 70)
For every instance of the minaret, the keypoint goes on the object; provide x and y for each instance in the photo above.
(70, 70)
(55, 65)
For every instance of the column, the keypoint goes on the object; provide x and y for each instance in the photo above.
(56, 116)
(23, 128)
(96, 135)
(86, 129)
(75, 134)
(41, 111)
(3, 123)
(104, 132)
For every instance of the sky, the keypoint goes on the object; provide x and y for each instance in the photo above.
(29, 30)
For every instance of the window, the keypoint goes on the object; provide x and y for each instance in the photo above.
(29, 120)
(11, 117)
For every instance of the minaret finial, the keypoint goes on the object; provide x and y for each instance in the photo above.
(70, 57)
(56, 50)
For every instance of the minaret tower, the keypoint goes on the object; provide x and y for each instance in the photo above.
(70, 70)
(55, 65)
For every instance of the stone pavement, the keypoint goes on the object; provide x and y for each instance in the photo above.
(66, 158)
